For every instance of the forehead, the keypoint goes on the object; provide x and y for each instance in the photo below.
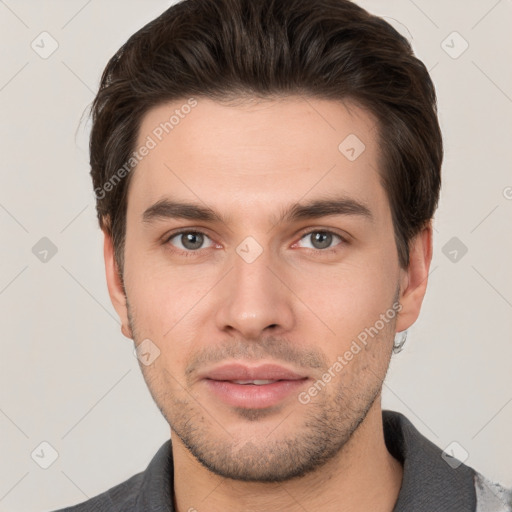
(252, 155)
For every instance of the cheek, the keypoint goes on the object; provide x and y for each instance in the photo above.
(168, 306)
(349, 297)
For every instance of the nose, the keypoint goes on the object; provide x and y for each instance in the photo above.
(255, 298)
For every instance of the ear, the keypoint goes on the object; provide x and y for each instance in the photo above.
(115, 286)
(413, 282)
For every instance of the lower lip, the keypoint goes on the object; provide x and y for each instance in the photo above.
(253, 396)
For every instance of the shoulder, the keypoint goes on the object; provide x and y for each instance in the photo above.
(491, 496)
(434, 477)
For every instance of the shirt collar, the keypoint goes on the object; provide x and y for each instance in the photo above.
(155, 492)
(429, 482)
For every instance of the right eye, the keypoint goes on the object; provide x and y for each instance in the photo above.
(187, 240)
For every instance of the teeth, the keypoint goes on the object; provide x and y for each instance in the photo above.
(257, 382)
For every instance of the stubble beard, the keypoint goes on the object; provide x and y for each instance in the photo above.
(325, 426)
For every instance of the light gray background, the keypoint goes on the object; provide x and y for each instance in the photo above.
(69, 377)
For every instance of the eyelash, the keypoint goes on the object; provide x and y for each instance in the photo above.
(191, 253)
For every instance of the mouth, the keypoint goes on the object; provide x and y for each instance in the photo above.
(252, 387)
(255, 382)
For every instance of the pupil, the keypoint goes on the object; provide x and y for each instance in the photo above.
(326, 237)
(189, 240)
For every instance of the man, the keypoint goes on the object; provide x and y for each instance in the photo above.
(266, 174)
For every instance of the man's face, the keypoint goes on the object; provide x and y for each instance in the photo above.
(252, 290)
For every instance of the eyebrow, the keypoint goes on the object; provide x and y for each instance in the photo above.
(323, 207)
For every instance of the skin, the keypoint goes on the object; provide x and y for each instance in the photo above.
(292, 305)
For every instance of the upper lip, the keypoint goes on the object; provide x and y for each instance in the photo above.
(236, 371)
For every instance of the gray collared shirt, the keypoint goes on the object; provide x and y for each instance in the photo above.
(430, 483)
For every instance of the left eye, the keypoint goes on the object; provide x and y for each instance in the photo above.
(321, 239)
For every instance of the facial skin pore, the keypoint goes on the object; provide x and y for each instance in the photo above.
(299, 304)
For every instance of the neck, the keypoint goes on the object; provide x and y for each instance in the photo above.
(363, 476)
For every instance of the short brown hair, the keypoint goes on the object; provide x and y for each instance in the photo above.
(222, 49)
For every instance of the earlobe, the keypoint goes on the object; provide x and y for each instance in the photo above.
(415, 277)
(115, 285)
